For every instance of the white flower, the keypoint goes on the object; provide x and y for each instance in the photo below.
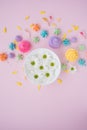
(72, 69)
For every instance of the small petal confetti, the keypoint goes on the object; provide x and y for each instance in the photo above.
(54, 25)
(19, 83)
(75, 27)
(59, 81)
(42, 12)
(46, 20)
(70, 30)
(4, 30)
(83, 34)
(39, 87)
(59, 19)
(64, 36)
(14, 72)
(27, 17)
(19, 28)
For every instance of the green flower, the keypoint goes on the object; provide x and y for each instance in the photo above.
(36, 39)
(63, 66)
(20, 57)
(57, 31)
(82, 47)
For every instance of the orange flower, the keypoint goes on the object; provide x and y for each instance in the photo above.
(3, 56)
(36, 27)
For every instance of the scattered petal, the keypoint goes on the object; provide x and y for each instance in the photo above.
(31, 25)
(39, 87)
(46, 20)
(51, 17)
(19, 28)
(75, 27)
(59, 19)
(19, 83)
(14, 72)
(70, 30)
(42, 12)
(64, 36)
(84, 34)
(4, 30)
(59, 81)
(66, 71)
(27, 17)
(54, 25)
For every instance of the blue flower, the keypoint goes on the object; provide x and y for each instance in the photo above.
(44, 33)
(82, 62)
(66, 42)
(12, 46)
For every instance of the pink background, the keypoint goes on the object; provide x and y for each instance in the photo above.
(56, 107)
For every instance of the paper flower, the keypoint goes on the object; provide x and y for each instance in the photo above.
(44, 33)
(82, 62)
(57, 31)
(72, 69)
(36, 39)
(66, 42)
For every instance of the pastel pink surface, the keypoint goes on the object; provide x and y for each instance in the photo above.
(54, 107)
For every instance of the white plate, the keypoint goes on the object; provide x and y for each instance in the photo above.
(38, 66)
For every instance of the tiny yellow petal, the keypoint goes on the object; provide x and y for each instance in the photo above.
(19, 83)
(66, 71)
(45, 19)
(27, 17)
(4, 30)
(25, 77)
(42, 12)
(17, 48)
(69, 31)
(53, 25)
(15, 42)
(19, 28)
(31, 26)
(14, 72)
(75, 27)
(59, 19)
(59, 81)
(64, 36)
(39, 87)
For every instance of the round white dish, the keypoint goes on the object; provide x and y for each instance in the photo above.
(42, 66)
